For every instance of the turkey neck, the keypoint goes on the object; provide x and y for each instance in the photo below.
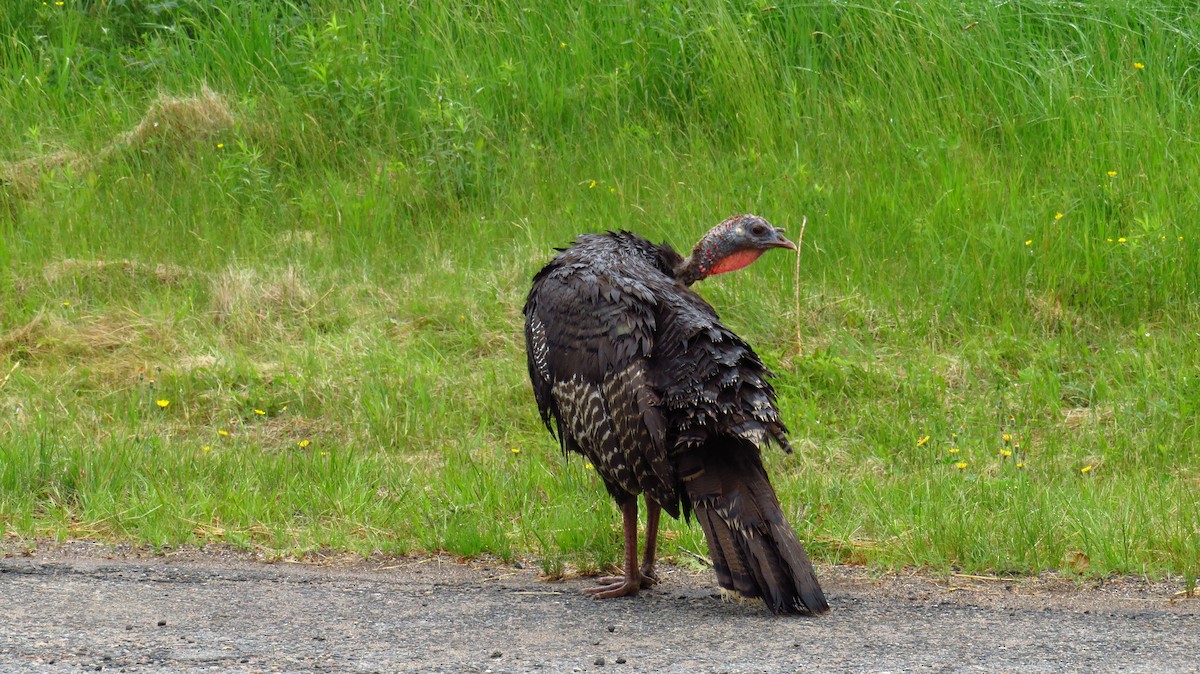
(688, 272)
(708, 252)
(699, 264)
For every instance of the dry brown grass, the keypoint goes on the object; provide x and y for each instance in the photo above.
(74, 268)
(246, 302)
(171, 120)
(49, 336)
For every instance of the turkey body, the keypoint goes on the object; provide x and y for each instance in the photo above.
(634, 370)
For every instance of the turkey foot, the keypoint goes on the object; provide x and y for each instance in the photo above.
(646, 582)
(616, 586)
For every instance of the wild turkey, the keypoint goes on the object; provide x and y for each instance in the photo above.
(634, 370)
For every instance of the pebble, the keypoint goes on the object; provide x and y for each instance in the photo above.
(621, 660)
(600, 661)
(496, 654)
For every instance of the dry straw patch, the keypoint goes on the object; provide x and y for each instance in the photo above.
(74, 268)
(48, 336)
(246, 302)
(173, 121)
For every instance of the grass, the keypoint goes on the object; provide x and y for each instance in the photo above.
(310, 232)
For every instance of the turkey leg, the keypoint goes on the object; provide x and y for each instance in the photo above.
(635, 579)
(652, 512)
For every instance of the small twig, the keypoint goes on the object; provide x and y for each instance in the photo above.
(699, 557)
(10, 373)
(309, 308)
(967, 575)
(796, 285)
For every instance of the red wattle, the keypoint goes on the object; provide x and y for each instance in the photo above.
(735, 261)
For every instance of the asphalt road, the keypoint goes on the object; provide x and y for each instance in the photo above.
(83, 607)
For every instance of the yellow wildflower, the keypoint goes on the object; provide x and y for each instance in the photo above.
(260, 412)
(1007, 437)
(1121, 240)
(223, 433)
(162, 403)
(1006, 453)
(591, 184)
(1020, 464)
(1086, 469)
(1058, 216)
(220, 145)
(304, 443)
(960, 465)
(588, 466)
(923, 440)
(955, 450)
(1138, 65)
(1112, 174)
(515, 450)
(1028, 242)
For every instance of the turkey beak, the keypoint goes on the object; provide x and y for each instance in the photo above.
(782, 241)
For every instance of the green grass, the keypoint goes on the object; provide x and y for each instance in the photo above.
(320, 260)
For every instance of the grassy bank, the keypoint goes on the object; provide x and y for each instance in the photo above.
(261, 268)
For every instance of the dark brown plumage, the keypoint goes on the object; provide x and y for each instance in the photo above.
(635, 371)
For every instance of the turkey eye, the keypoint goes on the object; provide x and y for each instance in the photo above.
(758, 230)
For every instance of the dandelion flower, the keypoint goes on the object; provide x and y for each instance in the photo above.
(955, 450)
(1007, 437)
(162, 403)
(1121, 240)
(515, 450)
(1006, 453)
(923, 440)
(220, 145)
(66, 304)
(1020, 464)
(304, 443)
(1138, 65)
(1112, 174)
(1086, 469)
(223, 433)
(960, 465)
(1028, 242)
(1058, 216)
(260, 412)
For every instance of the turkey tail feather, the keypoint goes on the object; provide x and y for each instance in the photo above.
(754, 550)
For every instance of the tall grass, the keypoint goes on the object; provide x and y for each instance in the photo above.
(323, 283)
